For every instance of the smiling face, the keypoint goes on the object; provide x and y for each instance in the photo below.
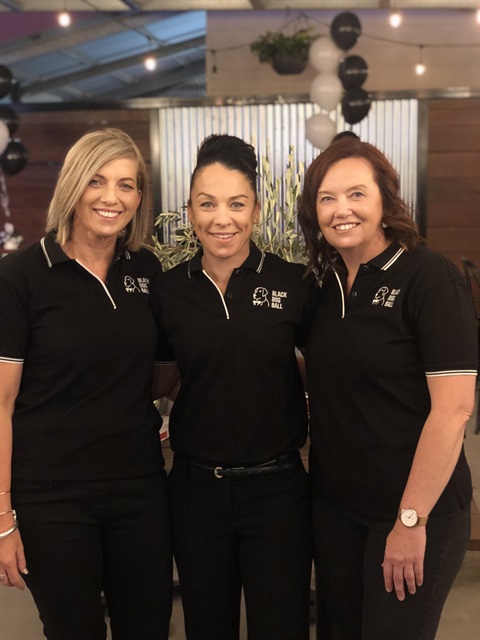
(223, 209)
(349, 210)
(108, 203)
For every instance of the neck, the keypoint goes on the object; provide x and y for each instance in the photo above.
(96, 254)
(219, 271)
(353, 259)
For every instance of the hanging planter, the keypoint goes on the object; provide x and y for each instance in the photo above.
(288, 54)
(289, 64)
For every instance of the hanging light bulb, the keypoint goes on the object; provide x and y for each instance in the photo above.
(420, 68)
(64, 19)
(395, 19)
(150, 63)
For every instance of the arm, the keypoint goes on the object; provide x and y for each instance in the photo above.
(12, 558)
(302, 368)
(452, 401)
(166, 380)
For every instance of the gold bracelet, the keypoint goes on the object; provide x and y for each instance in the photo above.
(6, 533)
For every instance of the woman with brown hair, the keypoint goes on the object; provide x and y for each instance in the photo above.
(391, 365)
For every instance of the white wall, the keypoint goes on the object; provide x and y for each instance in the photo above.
(239, 74)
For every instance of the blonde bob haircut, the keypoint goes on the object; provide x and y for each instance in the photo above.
(84, 160)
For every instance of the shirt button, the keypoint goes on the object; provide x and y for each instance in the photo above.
(354, 294)
(229, 295)
(365, 267)
(238, 272)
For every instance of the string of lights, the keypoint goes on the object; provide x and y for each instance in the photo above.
(395, 19)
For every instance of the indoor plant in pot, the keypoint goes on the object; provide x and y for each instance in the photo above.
(287, 53)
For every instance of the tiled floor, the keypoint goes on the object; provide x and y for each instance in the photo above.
(460, 620)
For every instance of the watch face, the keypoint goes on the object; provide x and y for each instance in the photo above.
(409, 517)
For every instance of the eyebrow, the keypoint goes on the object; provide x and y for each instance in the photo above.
(356, 186)
(209, 195)
(100, 175)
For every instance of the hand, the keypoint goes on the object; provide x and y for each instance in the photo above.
(403, 560)
(12, 561)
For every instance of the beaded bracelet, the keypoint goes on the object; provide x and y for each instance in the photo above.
(6, 533)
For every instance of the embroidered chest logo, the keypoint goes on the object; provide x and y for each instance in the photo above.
(385, 298)
(262, 297)
(132, 285)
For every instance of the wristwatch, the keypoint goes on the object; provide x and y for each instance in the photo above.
(410, 518)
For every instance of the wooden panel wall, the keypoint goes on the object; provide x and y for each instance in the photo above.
(453, 179)
(47, 137)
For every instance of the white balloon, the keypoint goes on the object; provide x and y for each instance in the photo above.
(324, 55)
(4, 136)
(326, 90)
(320, 130)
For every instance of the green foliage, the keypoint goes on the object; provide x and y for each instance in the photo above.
(275, 233)
(273, 43)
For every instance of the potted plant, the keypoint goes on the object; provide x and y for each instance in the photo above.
(288, 54)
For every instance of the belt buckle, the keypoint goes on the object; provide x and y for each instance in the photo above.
(217, 472)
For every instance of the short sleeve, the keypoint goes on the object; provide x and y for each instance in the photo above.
(14, 324)
(446, 327)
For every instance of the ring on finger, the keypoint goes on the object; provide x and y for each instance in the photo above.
(2, 576)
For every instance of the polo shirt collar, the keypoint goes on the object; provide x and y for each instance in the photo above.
(384, 260)
(54, 254)
(254, 261)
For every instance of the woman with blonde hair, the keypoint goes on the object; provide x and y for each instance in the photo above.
(82, 486)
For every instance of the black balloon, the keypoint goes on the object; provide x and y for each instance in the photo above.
(5, 81)
(353, 72)
(345, 30)
(356, 104)
(10, 118)
(14, 158)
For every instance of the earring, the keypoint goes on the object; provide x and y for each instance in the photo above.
(384, 226)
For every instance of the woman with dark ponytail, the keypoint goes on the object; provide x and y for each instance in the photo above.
(232, 317)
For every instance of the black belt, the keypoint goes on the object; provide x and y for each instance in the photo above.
(280, 463)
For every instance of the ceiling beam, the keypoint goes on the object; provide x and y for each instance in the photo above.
(132, 5)
(11, 5)
(158, 83)
(50, 40)
(102, 69)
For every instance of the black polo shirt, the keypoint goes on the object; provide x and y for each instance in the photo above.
(241, 400)
(84, 409)
(408, 316)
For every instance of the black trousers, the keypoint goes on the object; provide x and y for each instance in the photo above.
(253, 533)
(351, 597)
(82, 538)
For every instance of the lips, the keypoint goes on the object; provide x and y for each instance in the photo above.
(222, 236)
(346, 226)
(105, 213)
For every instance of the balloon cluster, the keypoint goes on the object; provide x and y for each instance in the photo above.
(13, 154)
(340, 79)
